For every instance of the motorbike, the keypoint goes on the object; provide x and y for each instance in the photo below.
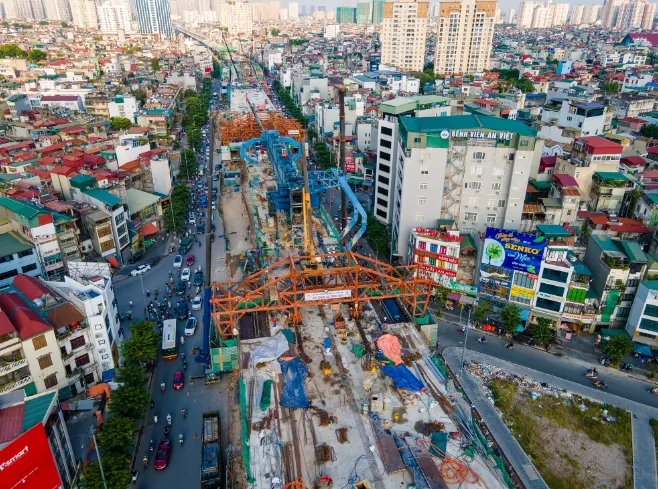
(654, 391)
(162, 386)
(169, 419)
(166, 431)
(180, 438)
(592, 374)
(509, 346)
(134, 476)
(184, 365)
(145, 461)
(482, 340)
(604, 361)
(151, 445)
(462, 330)
(600, 385)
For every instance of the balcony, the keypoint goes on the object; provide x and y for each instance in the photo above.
(64, 333)
(16, 385)
(10, 367)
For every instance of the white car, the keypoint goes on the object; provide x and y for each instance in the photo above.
(185, 276)
(140, 270)
(190, 326)
(192, 219)
(178, 261)
(196, 303)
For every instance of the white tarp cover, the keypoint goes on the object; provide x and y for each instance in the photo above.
(270, 350)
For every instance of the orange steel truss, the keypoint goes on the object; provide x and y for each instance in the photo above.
(292, 283)
(238, 128)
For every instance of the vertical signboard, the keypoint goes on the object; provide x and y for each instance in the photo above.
(27, 462)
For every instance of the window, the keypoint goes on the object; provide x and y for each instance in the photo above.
(385, 144)
(387, 131)
(384, 180)
(10, 273)
(501, 203)
(382, 202)
(382, 213)
(471, 216)
(101, 342)
(82, 360)
(45, 361)
(29, 268)
(495, 186)
(476, 170)
(7, 258)
(422, 200)
(422, 186)
(385, 156)
(478, 155)
(39, 342)
(50, 381)
(107, 245)
(551, 289)
(473, 201)
(434, 248)
(382, 191)
(420, 217)
(102, 232)
(498, 172)
(384, 168)
(77, 342)
(473, 185)
(424, 171)
(89, 378)
(491, 218)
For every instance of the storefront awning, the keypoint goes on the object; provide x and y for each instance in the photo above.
(464, 299)
(642, 349)
(149, 229)
(112, 260)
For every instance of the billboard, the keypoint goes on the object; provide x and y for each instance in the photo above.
(327, 295)
(27, 462)
(513, 250)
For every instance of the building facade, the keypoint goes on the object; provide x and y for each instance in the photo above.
(113, 16)
(154, 18)
(404, 32)
(464, 36)
(84, 14)
(642, 323)
(541, 15)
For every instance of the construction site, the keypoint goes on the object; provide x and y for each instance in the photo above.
(331, 393)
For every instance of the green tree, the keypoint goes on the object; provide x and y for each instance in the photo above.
(43, 22)
(585, 232)
(129, 401)
(120, 124)
(188, 93)
(65, 25)
(116, 470)
(37, 55)
(275, 32)
(510, 316)
(141, 96)
(617, 347)
(142, 346)
(649, 131)
(5, 24)
(480, 312)
(525, 85)
(441, 296)
(188, 164)
(611, 87)
(194, 139)
(378, 237)
(542, 330)
(155, 64)
(116, 436)
(12, 51)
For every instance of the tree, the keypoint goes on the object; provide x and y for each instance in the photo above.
(140, 95)
(43, 22)
(542, 330)
(129, 401)
(142, 346)
(187, 167)
(617, 347)
(585, 232)
(525, 85)
(116, 434)
(155, 64)
(37, 55)
(649, 131)
(120, 124)
(611, 87)
(480, 312)
(115, 468)
(441, 296)
(510, 316)
(12, 51)
(275, 32)
(188, 93)
(65, 25)
(378, 236)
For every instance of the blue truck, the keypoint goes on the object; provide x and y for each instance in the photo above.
(210, 449)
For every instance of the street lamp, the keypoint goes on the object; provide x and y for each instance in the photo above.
(98, 455)
(468, 323)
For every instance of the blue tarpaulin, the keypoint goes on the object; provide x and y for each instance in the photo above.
(403, 378)
(108, 375)
(293, 394)
(642, 349)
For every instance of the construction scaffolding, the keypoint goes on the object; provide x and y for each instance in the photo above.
(236, 128)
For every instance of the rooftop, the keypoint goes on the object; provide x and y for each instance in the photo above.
(553, 231)
(461, 122)
(11, 243)
(103, 196)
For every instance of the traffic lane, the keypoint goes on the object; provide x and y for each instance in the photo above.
(619, 384)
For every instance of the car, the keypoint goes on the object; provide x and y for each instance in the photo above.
(214, 205)
(162, 455)
(198, 278)
(140, 270)
(178, 261)
(185, 275)
(192, 218)
(190, 260)
(180, 288)
(196, 303)
(190, 326)
(178, 380)
(182, 311)
(215, 177)
(212, 228)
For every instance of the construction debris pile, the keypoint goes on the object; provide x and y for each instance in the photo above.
(486, 373)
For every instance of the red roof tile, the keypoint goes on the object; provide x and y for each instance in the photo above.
(63, 170)
(596, 145)
(633, 161)
(5, 325)
(27, 322)
(30, 287)
(565, 180)
(11, 422)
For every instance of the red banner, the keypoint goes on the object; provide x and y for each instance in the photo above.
(27, 462)
(430, 268)
(350, 166)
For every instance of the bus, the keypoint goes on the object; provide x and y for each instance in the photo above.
(169, 348)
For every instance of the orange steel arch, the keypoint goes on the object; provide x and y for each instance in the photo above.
(282, 287)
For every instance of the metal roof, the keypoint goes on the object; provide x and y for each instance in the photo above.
(455, 122)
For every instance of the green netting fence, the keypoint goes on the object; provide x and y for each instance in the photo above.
(246, 456)
(500, 463)
(266, 396)
(439, 365)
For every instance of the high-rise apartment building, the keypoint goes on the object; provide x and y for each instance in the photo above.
(610, 12)
(240, 17)
(84, 14)
(293, 10)
(25, 9)
(153, 17)
(114, 15)
(634, 14)
(346, 15)
(584, 14)
(404, 31)
(377, 11)
(57, 9)
(510, 16)
(464, 36)
(541, 15)
(363, 13)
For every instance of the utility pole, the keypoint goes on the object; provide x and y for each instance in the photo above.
(98, 455)
(468, 322)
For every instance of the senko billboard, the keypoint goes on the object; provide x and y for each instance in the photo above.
(513, 250)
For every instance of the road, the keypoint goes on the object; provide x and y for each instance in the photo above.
(196, 398)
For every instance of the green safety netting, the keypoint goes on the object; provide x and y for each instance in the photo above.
(246, 456)
(289, 334)
(266, 395)
(358, 350)
(426, 319)
(500, 463)
(439, 365)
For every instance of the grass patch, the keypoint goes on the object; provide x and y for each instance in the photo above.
(527, 418)
(654, 425)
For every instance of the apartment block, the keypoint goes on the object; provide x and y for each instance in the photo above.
(642, 324)
(404, 32)
(464, 36)
(541, 15)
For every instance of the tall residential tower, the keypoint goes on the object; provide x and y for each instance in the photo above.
(464, 36)
(154, 18)
(404, 32)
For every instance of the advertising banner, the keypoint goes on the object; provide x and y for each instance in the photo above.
(430, 268)
(517, 291)
(513, 250)
(27, 462)
(327, 295)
